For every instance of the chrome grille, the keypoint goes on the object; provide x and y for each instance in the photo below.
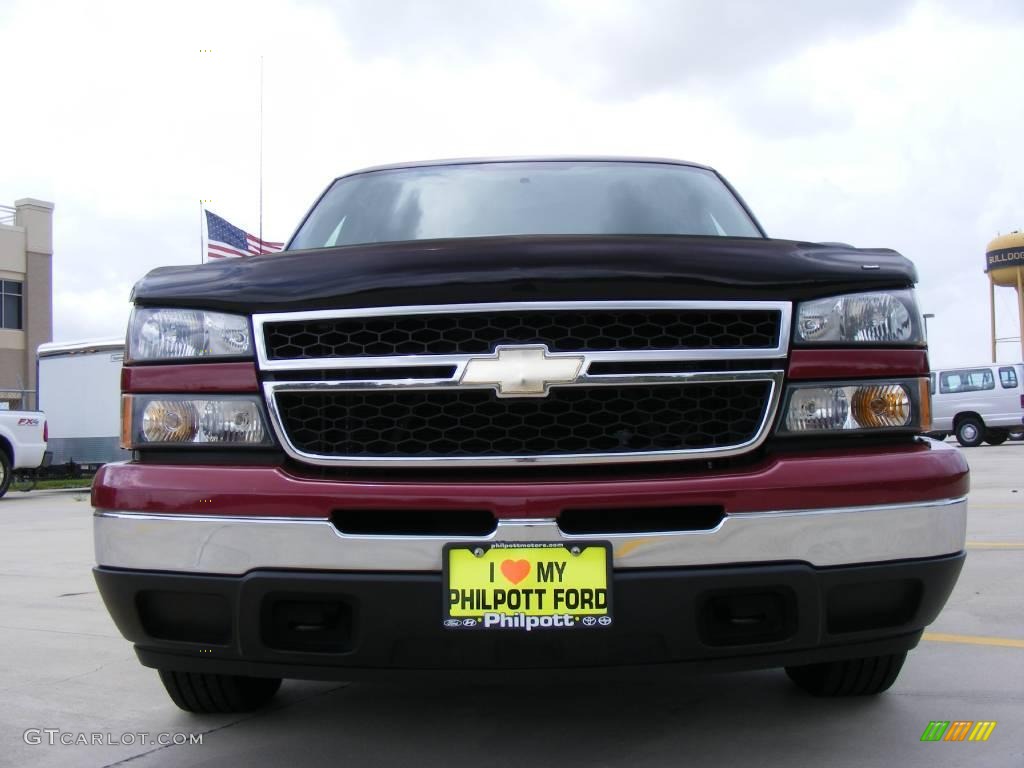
(478, 333)
(658, 380)
(470, 423)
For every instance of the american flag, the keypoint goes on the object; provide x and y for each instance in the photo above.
(224, 240)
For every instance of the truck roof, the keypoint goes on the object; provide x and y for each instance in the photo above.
(527, 159)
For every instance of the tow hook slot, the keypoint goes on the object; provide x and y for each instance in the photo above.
(322, 625)
(746, 617)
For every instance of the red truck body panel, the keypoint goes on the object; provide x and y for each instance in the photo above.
(801, 480)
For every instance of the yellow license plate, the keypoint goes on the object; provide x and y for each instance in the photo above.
(527, 586)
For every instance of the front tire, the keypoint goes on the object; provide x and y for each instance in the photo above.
(5, 472)
(849, 677)
(997, 436)
(970, 432)
(207, 694)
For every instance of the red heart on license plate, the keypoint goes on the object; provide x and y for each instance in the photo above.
(515, 570)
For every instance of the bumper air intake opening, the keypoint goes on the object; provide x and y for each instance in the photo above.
(640, 520)
(304, 624)
(189, 617)
(414, 522)
(862, 606)
(744, 617)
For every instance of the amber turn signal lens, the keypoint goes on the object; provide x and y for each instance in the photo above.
(170, 421)
(924, 399)
(860, 406)
(881, 405)
(180, 420)
(126, 422)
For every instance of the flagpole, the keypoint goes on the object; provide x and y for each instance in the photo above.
(202, 249)
(261, 156)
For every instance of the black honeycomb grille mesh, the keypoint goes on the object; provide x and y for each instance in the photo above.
(477, 333)
(570, 420)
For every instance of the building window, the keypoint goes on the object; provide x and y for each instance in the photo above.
(10, 304)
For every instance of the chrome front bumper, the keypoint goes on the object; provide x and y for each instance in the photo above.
(820, 537)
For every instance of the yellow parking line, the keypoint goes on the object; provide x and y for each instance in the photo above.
(1002, 642)
(995, 544)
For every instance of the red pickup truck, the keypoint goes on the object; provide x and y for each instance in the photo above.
(532, 416)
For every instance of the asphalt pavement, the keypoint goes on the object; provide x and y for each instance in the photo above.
(66, 675)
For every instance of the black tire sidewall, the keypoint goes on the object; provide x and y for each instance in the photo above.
(979, 428)
(5, 467)
(848, 677)
(996, 436)
(211, 693)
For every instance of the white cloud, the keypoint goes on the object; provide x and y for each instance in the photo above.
(879, 124)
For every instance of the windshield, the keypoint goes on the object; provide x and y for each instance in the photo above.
(524, 198)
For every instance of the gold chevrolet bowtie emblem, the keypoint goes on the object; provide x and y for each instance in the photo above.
(522, 371)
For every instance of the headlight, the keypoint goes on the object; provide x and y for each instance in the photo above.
(182, 334)
(169, 420)
(884, 317)
(868, 406)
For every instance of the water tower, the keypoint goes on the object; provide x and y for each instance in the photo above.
(1004, 264)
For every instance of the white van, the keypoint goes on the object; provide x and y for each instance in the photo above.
(978, 403)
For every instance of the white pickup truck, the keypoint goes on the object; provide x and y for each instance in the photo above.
(22, 443)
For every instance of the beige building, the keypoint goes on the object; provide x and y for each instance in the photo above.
(26, 297)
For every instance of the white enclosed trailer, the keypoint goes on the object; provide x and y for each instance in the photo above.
(80, 389)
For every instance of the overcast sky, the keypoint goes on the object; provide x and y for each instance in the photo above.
(878, 123)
